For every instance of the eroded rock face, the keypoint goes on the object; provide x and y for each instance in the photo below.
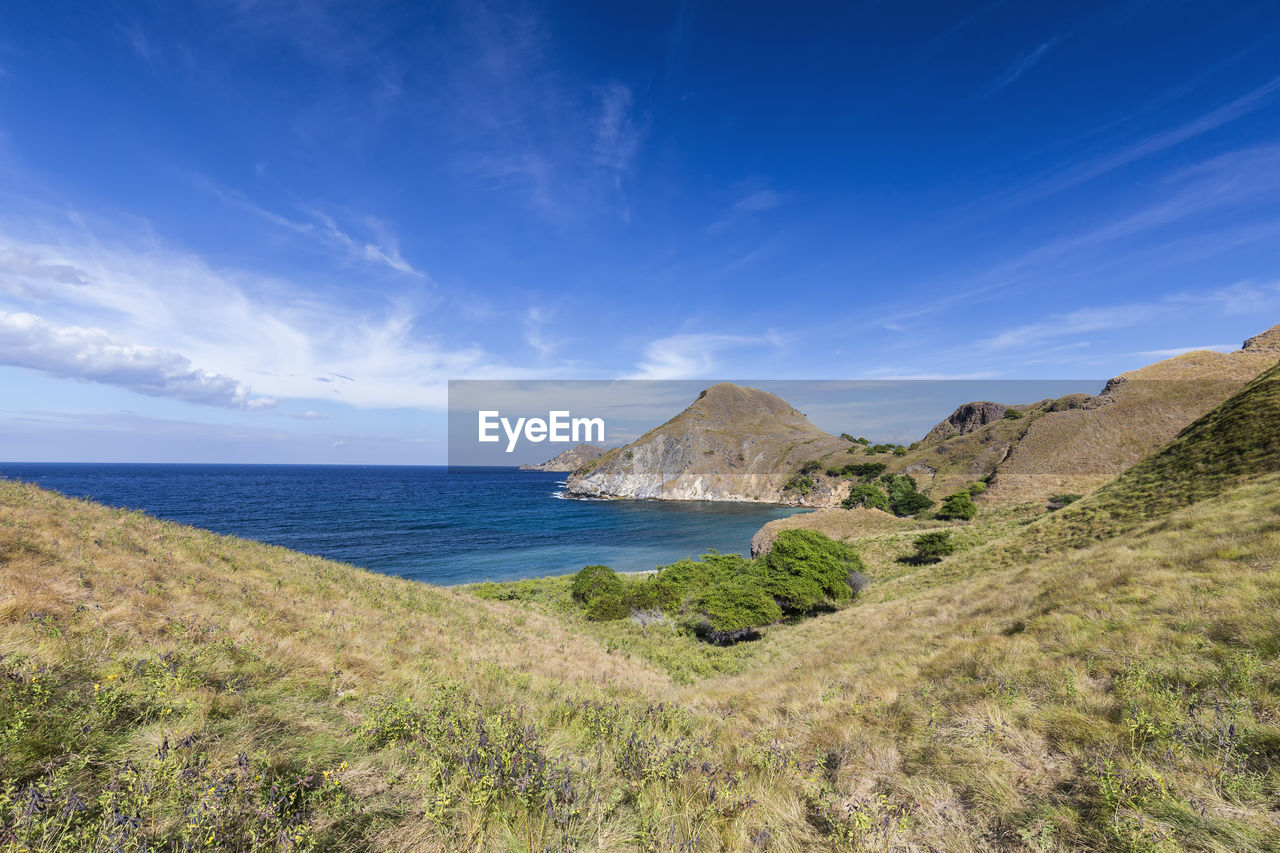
(970, 417)
(731, 444)
(570, 460)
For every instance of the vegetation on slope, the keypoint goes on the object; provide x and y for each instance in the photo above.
(1103, 677)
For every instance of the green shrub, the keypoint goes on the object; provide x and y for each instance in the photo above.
(1012, 414)
(861, 470)
(932, 547)
(868, 495)
(799, 483)
(899, 451)
(959, 506)
(806, 569)
(904, 499)
(811, 467)
(675, 584)
(735, 609)
(591, 582)
(977, 487)
(606, 608)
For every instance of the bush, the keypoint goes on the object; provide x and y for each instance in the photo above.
(591, 582)
(806, 569)
(903, 497)
(977, 487)
(1012, 414)
(959, 506)
(799, 483)
(862, 470)
(868, 495)
(932, 547)
(811, 467)
(1057, 502)
(607, 608)
(899, 451)
(735, 609)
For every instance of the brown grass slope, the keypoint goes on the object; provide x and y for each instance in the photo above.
(1107, 677)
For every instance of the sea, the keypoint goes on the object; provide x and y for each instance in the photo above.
(435, 524)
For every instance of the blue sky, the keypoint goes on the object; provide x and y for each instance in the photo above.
(272, 231)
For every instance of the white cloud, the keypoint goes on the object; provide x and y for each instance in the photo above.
(692, 356)
(94, 355)
(221, 329)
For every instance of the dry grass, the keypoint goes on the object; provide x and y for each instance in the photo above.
(1105, 677)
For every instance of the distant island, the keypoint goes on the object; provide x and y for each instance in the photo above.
(570, 460)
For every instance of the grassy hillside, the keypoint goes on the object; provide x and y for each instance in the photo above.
(1104, 677)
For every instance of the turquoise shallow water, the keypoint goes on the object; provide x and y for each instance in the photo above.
(431, 524)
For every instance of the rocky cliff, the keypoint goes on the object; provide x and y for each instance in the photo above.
(570, 460)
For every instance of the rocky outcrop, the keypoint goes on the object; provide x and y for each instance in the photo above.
(968, 418)
(731, 444)
(570, 460)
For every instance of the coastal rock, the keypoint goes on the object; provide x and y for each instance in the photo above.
(569, 460)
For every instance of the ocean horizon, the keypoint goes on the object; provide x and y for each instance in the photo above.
(432, 523)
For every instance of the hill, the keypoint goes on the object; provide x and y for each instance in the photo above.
(731, 444)
(568, 460)
(1105, 677)
(1027, 452)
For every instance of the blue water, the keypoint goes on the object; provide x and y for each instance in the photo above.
(432, 524)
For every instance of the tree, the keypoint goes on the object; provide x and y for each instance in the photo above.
(868, 495)
(932, 547)
(959, 506)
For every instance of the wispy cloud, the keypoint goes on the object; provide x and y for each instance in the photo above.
(1153, 144)
(381, 247)
(694, 356)
(1170, 353)
(1018, 67)
(1073, 323)
(1235, 299)
(617, 136)
(535, 331)
(753, 198)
